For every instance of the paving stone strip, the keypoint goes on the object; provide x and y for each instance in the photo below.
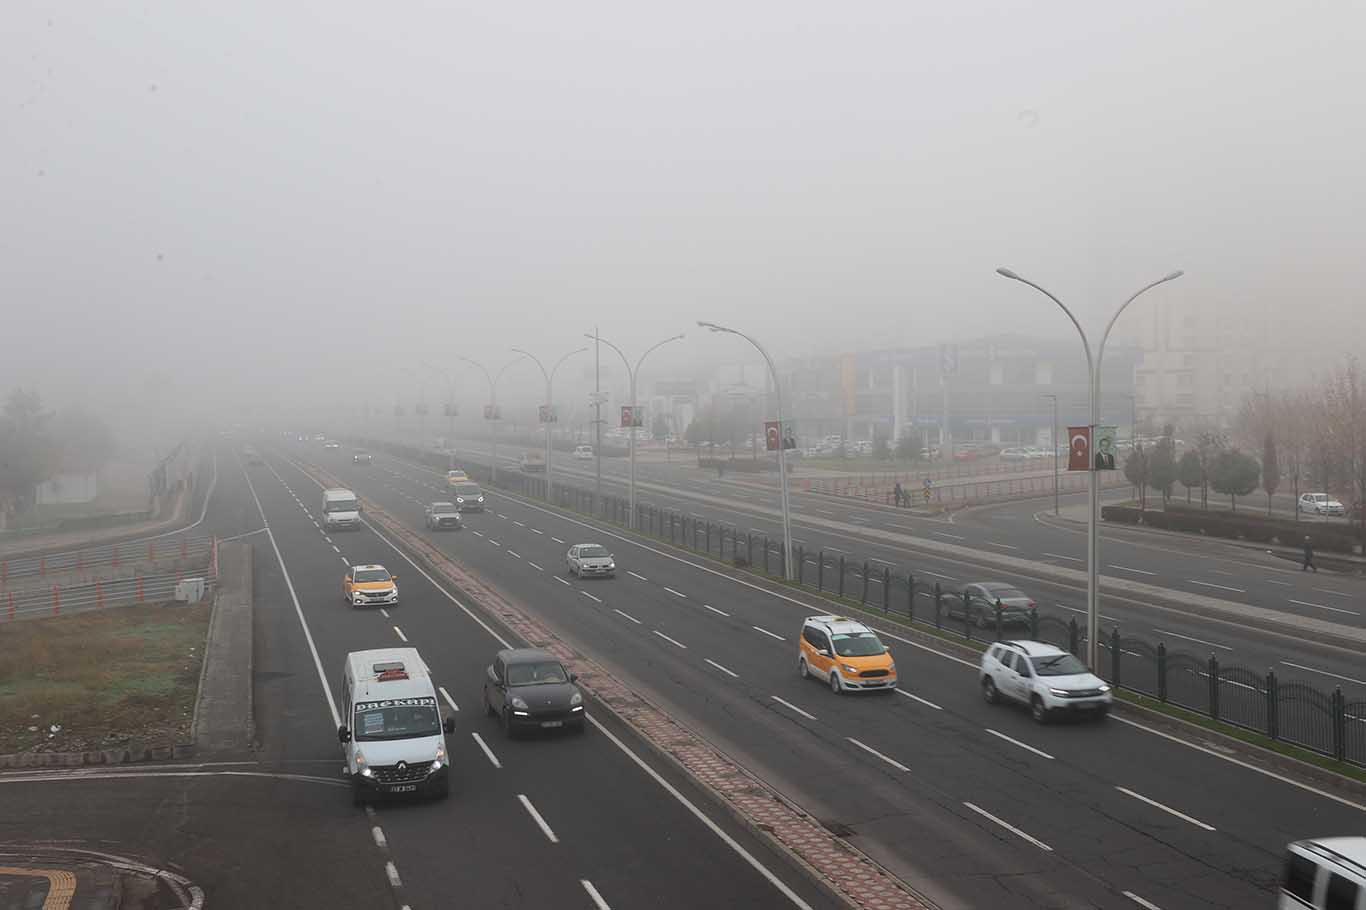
(838, 865)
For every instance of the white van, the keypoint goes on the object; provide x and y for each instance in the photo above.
(583, 453)
(1325, 874)
(392, 732)
(341, 509)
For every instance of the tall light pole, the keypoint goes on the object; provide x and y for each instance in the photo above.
(632, 373)
(1053, 438)
(1093, 515)
(550, 411)
(493, 406)
(782, 453)
(450, 409)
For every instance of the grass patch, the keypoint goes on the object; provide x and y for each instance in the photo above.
(106, 678)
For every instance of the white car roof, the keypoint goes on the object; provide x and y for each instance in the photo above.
(838, 625)
(367, 665)
(373, 566)
(1035, 648)
(1352, 850)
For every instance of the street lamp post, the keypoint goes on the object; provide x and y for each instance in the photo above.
(550, 412)
(782, 454)
(632, 373)
(1053, 438)
(450, 410)
(493, 407)
(1092, 518)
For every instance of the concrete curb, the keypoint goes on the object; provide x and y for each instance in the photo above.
(223, 712)
(120, 756)
(838, 868)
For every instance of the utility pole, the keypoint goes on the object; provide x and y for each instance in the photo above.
(597, 422)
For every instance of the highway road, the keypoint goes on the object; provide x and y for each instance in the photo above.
(971, 803)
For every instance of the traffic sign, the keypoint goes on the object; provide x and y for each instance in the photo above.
(772, 436)
(948, 360)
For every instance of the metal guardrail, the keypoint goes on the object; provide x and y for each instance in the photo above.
(108, 555)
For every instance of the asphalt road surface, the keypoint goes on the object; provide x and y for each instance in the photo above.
(974, 804)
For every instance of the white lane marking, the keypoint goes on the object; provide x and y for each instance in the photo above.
(1208, 584)
(488, 753)
(923, 701)
(676, 593)
(1127, 569)
(731, 673)
(334, 549)
(534, 566)
(518, 523)
(635, 575)
(383, 612)
(883, 561)
(1004, 546)
(704, 819)
(1083, 613)
(872, 751)
(1009, 827)
(557, 540)
(627, 615)
(671, 641)
(477, 533)
(1168, 809)
(318, 526)
(1360, 807)
(768, 633)
(1305, 603)
(345, 561)
(714, 610)
(1016, 742)
(593, 894)
(1361, 682)
(1060, 556)
(534, 531)
(501, 515)
(1331, 591)
(514, 554)
(950, 536)
(591, 597)
(446, 695)
(1199, 641)
(378, 835)
(757, 531)
(1272, 581)
(788, 704)
(399, 633)
(1147, 905)
(935, 574)
(835, 550)
(494, 542)
(561, 580)
(536, 816)
(326, 538)
(392, 873)
(1222, 572)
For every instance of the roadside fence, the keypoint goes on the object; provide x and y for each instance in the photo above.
(23, 570)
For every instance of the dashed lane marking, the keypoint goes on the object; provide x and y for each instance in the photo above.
(1016, 742)
(731, 673)
(1009, 827)
(450, 701)
(591, 597)
(536, 816)
(493, 759)
(676, 593)
(870, 750)
(792, 707)
(768, 633)
(714, 610)
(671, 641)
(534, 566)
(593, 895)
(1168, 809)
(561, 580)
(627, 615)
(399, 633)
(923, 701)
(1198, 641)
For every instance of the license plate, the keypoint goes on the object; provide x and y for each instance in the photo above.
(552, 723)
(403, 788)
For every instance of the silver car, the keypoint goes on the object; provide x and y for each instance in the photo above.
(590, 560)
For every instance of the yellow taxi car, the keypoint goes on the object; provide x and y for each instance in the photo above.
(845, 653)
(456, 476)
(365, 586)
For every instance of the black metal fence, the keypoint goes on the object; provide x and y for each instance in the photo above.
(1292, 711)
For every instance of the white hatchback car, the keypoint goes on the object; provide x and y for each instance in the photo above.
(1045, 677)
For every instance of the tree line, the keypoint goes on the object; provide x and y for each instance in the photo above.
(37, 444)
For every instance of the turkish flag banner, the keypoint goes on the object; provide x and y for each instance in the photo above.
(1079, 448)
(773, 437)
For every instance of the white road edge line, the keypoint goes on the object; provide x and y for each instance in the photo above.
(493, 759)
(446, 695)
(670, 640)
(731, 673)
(1016, 742)
(1305, 603)
(1360, 682)
(598, 902)
(1168, 809)
(788, 704)
(872, 751)
(531, 810)
(1009, 827)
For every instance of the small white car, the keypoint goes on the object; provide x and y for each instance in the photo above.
(1321, 504)
(583, 453)
(590, 560)
(1045, 677)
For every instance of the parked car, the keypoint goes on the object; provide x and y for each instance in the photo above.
(846, 654)
(443, 515)
(1321, 504)
(528, 688)
(978, 604)
(590, 560)
(1045, 677)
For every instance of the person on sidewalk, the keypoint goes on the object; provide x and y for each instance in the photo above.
(898, 494)
(1309, 555)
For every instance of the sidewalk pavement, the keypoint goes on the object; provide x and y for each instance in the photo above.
(223, 716)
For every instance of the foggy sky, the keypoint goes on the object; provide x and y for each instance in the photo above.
(221, 201)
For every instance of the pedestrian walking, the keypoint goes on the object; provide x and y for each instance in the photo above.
(898, 494)
(1309, 555)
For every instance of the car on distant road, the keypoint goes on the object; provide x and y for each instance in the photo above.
(1321, 504)
(360, 456)
(583, 453)
(443, 515)
(527, 688)
(1045, 677)
(468, 496)
(846, 654)
(370, 586)
(1014, 453)
(533, 463)
(965, 454)
(331, 444)
(977, 604)
(590, 560)
(456, 476)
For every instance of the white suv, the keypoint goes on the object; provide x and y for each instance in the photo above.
(1043, 676)
(1321, 504)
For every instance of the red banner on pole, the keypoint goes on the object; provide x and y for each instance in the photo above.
(1079, 448)
(773, 437)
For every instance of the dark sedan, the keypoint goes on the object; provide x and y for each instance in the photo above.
(442, 515)
(978, 604)
(527, 688)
